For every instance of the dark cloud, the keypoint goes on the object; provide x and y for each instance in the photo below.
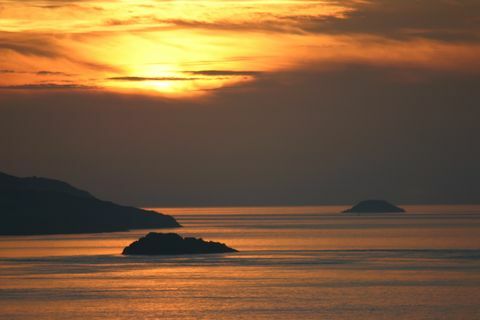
(443, 20)
(226, 73)
(38, 73)
(151, 78)
(117, 22)
(46, 86)
(45, 45)
(131, 21)
(52, 73)
(49, 4)
(266, 25)
(27, 47)
(28, 44)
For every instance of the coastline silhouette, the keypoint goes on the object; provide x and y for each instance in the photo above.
(34, 206)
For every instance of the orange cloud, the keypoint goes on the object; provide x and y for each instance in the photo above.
(196, 47)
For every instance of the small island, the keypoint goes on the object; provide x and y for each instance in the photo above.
(173, 244)
(374, 206)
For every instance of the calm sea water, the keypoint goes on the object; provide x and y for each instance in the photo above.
(295, 263)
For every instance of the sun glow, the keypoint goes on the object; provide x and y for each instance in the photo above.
(185, 48)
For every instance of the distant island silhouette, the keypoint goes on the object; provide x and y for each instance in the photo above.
(373, 206)
(33, 206)
(173, 244)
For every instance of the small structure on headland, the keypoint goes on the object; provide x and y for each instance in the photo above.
(172, 244)
(374, 206)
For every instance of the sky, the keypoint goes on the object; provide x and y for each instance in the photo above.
(185, 103)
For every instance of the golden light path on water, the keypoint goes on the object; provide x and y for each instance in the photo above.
(184, 48)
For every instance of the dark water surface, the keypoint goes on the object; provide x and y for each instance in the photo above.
(295, 263)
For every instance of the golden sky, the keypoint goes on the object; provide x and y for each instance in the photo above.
(191, 48)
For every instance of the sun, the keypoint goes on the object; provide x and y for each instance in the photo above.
(174, 48)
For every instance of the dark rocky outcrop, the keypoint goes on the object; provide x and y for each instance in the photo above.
(172, 244)
(31, 206)
(373, 206)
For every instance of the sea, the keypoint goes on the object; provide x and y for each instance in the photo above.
(304, 262)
